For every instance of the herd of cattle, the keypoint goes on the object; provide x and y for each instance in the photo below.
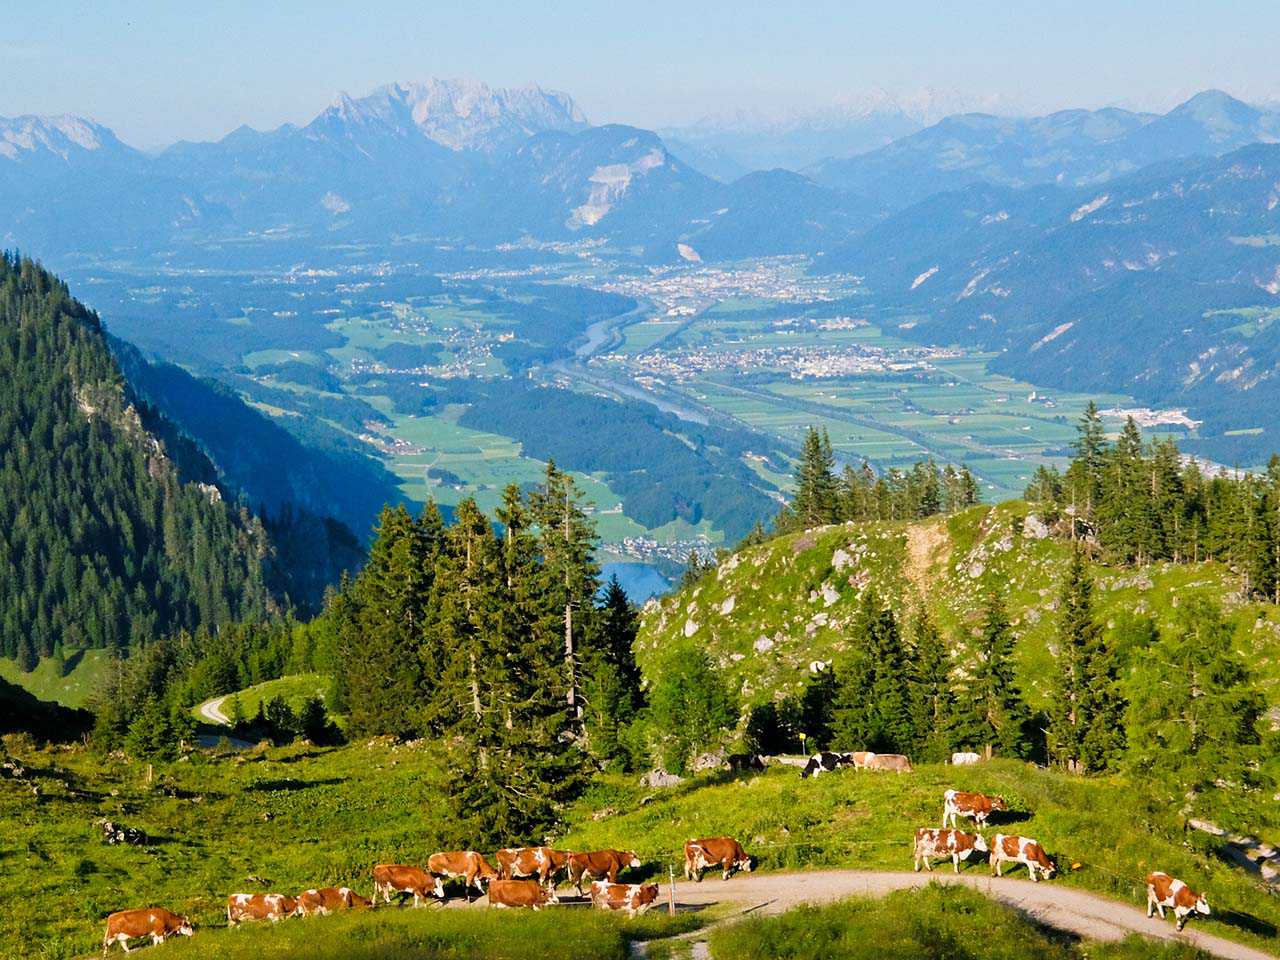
(528, 876)
(524, 877)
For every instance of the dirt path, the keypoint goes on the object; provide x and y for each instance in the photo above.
(1087, 915)
(211, 710)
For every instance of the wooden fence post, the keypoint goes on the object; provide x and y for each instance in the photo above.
(671, 890)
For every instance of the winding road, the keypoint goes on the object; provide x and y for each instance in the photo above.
(211, 711)
(1079, 912)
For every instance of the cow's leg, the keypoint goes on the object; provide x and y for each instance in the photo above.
(1182, 919)
(125, 943)
(1151, 903)
(1160, 907)
(998, 867)
(1035, 874)
(915, 859)
(955, 863)
(726, 866)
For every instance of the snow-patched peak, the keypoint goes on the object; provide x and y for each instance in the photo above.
(62, 136)
(460, 114)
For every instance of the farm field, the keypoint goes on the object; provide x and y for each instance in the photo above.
(289, 816)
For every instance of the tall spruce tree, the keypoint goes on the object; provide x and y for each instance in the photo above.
(1195, 714)
(1085, 730)
(932, 700)
(990, 711)
(872, 707)
(817, 492)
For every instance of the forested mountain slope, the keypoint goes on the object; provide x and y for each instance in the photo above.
(102, 541)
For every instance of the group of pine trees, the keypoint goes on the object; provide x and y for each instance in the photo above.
(101, 544)
(1143, 501)
(824, 497)
(1178, 709)
(490, 639)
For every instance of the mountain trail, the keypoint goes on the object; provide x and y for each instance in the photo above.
(928, 546)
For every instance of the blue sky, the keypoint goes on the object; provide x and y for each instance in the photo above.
(156, 72)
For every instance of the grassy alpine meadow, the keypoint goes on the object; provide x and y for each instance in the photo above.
(555, 933)
(935, 923)
(1097, 829)
(284, 819)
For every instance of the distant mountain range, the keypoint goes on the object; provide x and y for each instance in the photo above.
(1070, 147)
(1164, 283)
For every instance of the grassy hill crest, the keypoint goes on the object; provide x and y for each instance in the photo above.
(769, 611)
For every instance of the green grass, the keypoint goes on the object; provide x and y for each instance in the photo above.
(294, 689)
(47, 682)
(555, 933)
(1100, 834)
(936, 922)
(948, 565)
(303, 816)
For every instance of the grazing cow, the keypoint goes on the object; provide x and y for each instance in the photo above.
(889, 761)
(1166, 891)
(327, 900)
(635, 898)
(976, 806)
(520, 893)
(156, 922)
(825, 762)
(934, 844)
(861, 759)
(541, 862)
(599, 865)
(259, 906)
(711, 851)
(397, 878)
(743, 762)
(965, 759)
(1010, 849)
(472, 867)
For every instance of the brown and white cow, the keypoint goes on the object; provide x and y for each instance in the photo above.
(541, 862)
(889, 761)
(724, 852)
(155, 922)
(1011, 849)
(1166, 891)
(471, 867)
(520, 893)
(635, 898)
(399, 878)
(259, 906)
(599, 865)
(976, 806)
(934, 844)
(326, 900)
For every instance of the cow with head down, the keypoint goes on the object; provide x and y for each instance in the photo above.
(635, 898)
(723, 852)
(323, 901)
(467, 865)
(259, 906)
(1166, 891)
(544, 863)
(600, 865)
(935, 844)
(520, 893)
(156, 922)
(402, 880)
(1011, 849)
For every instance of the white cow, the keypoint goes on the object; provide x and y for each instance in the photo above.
(965, 759)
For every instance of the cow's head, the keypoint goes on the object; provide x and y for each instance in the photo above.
(980, 843)
(1052, 867)
(809, 768)
(744, 863)
(358, 902)
(999, 803)
(629, 859)
(486, 870)
(1202, 905)
(186, 928)
(547, 895)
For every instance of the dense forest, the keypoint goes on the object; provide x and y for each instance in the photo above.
(101, 541)
(1140, 501)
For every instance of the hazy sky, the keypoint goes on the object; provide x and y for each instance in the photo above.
(157, 71)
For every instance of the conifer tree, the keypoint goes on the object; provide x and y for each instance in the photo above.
(1085, 732)
(932, 701)
(1195, 712)
(816, 502)
(872, 707)
(990, 710)
(691, 707)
